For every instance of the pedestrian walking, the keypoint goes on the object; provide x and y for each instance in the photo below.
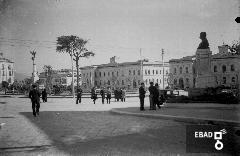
(142, 93)
(94, 94)
(102, 93)
(109, 94)
(157, 96)
(44, 95)
(79, 96)
(123, 96)
(151, 96)
(34, 95)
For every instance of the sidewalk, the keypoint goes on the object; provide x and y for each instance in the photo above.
(219, 114)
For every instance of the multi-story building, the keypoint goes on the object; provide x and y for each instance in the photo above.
(6, 70)
(127, 74)
(206, 69)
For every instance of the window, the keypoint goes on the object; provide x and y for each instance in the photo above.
(215, 69)
(180, 70)
(148, 72)
(112, 73)
(224, 68)
(160, 71)
(90, 74)
(146, 81)
(133, 72)
(175, 70)
(10, 73)
(100, 82)
(160, 81)
(108, 74)
(9, 67)
(95, 74)
(3, 67)
(233, 80)
(145, 72)
(129, 72)
(139, 82)
(100, 74)
(224, 80)
(3, 73)
(153, 72)
(166, 71)
(175, 82)
(117, 82)
(138, 72)
(117, 73)
(186, 69)
(149, 80)
(108, 82)
(157, 80)
(232, 68)
(104, 74)
(187, 80)
(122, 82)
(64, 81)
(156, 71)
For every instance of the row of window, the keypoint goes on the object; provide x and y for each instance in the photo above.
(104, 74)
(9, 67)
(148, 72)
(181, 70)
(108, 82)
(147, 81)
(9, 74)
(224, 80)
(224, 68)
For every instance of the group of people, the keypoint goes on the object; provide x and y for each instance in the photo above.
(156, 97)
(107, 94)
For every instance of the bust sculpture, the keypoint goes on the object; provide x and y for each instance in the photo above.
(204, 44)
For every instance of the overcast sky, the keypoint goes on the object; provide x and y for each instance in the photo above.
(114, 28)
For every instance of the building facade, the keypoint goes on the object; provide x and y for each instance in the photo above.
(60, 77)
(6, 70)
(206, 69)
(127, 75)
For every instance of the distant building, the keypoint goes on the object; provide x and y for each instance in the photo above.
(6, 70)
(126, 74)
(60, 77)
(206, 69)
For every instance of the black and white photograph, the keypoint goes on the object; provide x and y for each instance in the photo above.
(120, 77)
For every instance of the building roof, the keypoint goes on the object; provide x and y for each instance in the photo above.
(183, 59)
(5, 60)
(123, 64)
(225, 56)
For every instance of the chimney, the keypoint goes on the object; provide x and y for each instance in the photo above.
(223, 49)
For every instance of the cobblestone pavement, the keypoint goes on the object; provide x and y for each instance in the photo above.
(64, 128)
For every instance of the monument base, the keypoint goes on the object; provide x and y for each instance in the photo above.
(205, 81)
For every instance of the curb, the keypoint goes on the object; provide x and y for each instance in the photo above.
(180, 118)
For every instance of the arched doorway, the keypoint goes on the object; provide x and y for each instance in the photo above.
(181, 83)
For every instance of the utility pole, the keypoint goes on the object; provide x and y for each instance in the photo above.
(72, 76)
(141, 63)
(163, 67)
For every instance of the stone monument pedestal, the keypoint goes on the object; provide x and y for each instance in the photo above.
(204, 77)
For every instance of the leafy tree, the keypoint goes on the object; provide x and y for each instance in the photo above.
(5, 85)
(235, 47)
(75, 47)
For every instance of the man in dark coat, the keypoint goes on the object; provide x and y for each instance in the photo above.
(102, 92)
(79, 96)
(34, 95)
(142, 93)
(152, 91)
